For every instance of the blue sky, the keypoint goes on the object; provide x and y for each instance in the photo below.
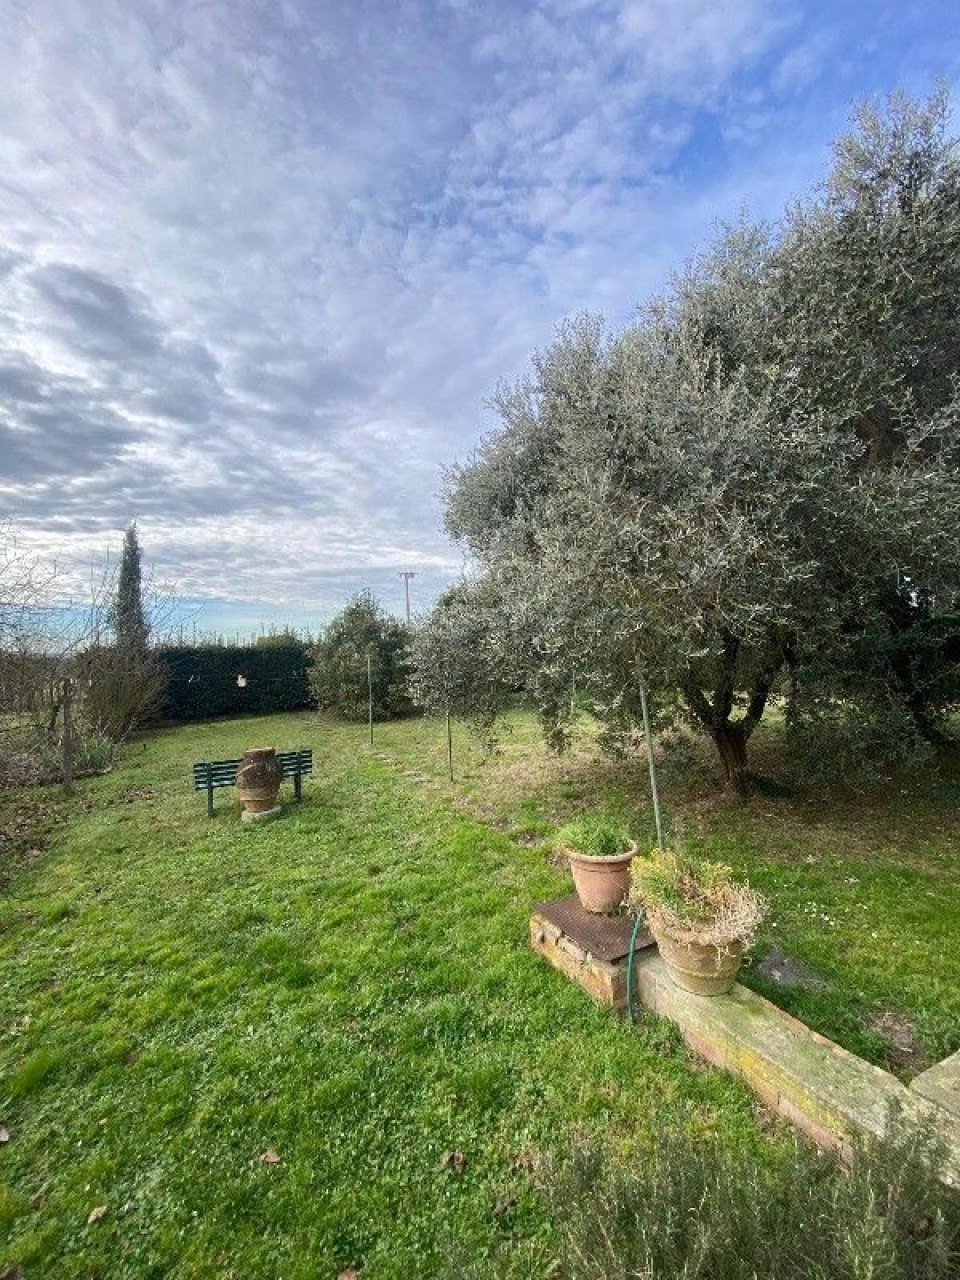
(261, 264)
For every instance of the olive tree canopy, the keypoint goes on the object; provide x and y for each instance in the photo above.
(758, 479)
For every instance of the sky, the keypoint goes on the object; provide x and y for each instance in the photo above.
(262, 265)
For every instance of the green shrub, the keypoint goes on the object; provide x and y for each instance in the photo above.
(338, 666)
(690, 1209)
(595, 836)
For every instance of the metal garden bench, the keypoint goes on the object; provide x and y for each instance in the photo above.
(223, 773)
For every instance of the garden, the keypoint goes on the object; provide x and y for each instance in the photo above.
(321, 1045)
(711, 612)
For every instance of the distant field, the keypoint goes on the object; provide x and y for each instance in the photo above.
(324, 1043)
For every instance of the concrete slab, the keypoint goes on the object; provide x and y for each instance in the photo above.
(941, 1084)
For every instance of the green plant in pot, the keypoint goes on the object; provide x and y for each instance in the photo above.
(702, 919)
(600, 854)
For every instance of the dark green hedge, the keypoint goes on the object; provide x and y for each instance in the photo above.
(203, 680)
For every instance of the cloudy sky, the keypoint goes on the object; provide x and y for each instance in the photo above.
(262, 262)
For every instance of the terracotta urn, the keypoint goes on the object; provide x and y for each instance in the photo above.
(700, 967)
(258, 783)
(601, 883)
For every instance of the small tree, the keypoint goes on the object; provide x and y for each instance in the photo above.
(127, 615)
(458, 666)
(122, 683)
(338, 664)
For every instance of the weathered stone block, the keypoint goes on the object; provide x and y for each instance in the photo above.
(828, 1093)
(604, 980)
(941, 1084)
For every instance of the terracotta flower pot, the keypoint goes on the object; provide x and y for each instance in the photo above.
(258, 783)
(601, 883)
(700, 967)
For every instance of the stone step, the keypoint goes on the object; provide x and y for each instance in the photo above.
(828, 1093)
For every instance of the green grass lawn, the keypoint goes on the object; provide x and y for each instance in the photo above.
(296, 1049)
(864, 885)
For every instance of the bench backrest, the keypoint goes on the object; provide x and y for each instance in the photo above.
(223, 773)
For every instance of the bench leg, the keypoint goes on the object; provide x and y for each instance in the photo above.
(209, 793)
(297, 792)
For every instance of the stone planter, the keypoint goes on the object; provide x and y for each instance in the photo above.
(699, 967)
(258, 784)
(601, 883)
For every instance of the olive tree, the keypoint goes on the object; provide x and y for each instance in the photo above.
(458, 663)
(705, 503)
(869, 331)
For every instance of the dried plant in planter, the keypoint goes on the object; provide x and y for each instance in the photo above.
(703, 920)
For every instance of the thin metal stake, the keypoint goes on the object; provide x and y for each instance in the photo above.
(648, 737)
(653, 772)
(449, 748)
(370, 694)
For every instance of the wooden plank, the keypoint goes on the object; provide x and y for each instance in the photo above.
(215, 773)
(290, 760)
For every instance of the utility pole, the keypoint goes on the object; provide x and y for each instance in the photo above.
(406, 575)
(370, 692)
(66, 693)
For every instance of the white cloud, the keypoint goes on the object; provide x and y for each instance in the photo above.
(261, 265)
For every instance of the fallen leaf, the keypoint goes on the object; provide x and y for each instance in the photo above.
(525, 1162)
(38, 1201)
(269, 1157)
(349, 1273)
(96, 1214)
(4, 1135)
(13, 1272)
(454, 1160)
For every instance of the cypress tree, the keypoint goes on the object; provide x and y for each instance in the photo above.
(129, 620)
